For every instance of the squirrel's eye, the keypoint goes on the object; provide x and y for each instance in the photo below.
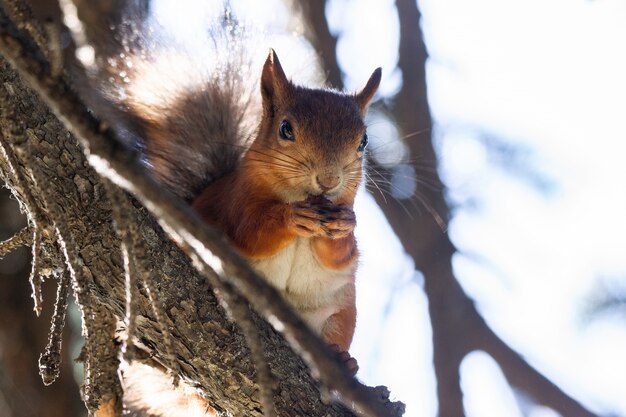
(363, 144)
(285, 131)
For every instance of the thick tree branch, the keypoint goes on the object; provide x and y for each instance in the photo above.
(204, 245)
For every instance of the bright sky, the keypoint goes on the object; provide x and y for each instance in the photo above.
(546, 79)
(548, 76)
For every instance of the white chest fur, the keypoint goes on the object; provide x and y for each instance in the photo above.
(313, 290)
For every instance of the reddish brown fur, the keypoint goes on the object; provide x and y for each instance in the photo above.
(342, 326)
(266, 203)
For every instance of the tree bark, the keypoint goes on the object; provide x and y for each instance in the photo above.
(65, 197)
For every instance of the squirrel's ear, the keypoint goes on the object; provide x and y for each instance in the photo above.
(364, 97)
(274, 83)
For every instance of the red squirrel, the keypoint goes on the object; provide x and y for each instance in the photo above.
(288, 205)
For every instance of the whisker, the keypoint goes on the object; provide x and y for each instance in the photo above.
(354, 169)
(303, 157)
(405, 136)
(276, 164)
(376, 185)
(287, 155)
(269, 170)
(288, 177)
(432, 184)
(416, 133)
(284, 179)
(429, 183)
(358, 158)
(275, 157)
(431, 210)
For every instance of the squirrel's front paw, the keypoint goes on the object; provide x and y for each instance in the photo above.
(306, 219)
(338, 221)
(315, 219)
(345, 357)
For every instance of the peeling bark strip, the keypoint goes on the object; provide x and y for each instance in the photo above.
(35, 276)
(50, 360)
(22, 238)
(210, 352)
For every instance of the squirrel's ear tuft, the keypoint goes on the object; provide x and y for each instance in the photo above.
(364, 97)
(274, 83)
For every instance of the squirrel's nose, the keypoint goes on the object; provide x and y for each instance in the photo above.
(328, 180)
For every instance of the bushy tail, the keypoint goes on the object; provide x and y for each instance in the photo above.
(190, 109)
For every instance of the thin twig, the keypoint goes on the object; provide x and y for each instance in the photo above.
(101, 376)
(50, 360)
(35, 278)
(22, 238)
(69, 250)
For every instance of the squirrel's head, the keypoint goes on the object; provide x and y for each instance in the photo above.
(311, 141)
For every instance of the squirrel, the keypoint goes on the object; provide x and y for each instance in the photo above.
(278, 176)
(288, 205)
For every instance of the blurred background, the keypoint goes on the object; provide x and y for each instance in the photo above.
(528, 104)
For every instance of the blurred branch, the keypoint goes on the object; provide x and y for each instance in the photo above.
(457, 327)
(313, 12)
(101, 17)
(608, 297)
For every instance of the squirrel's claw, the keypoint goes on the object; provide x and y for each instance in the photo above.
(323, 220)
(347, 359)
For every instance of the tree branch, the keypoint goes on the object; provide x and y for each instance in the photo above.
(314, 13)
(205, 246)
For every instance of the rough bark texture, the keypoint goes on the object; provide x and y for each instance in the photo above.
(65, 198)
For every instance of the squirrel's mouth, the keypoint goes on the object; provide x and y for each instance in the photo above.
(321, 198)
